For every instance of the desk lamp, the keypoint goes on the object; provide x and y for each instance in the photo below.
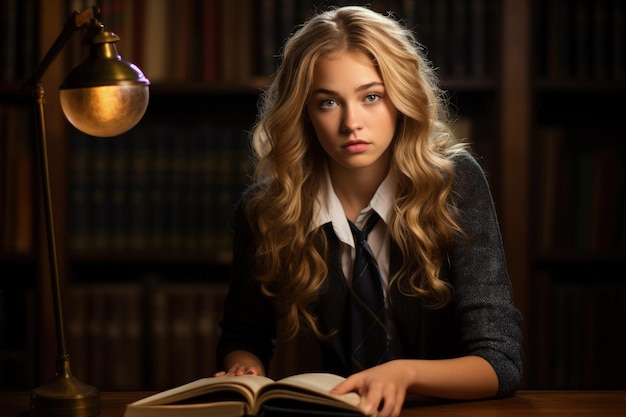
(104, 96)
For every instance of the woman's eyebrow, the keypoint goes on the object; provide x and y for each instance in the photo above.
(359, 88)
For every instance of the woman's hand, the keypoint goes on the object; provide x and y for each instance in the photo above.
(382, 388)
(241, 362)
(240, 369)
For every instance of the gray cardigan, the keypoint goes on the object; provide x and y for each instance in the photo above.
(480, 320)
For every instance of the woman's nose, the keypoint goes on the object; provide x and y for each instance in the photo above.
(351, 119)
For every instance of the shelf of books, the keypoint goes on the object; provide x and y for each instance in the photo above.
(163, 187)
(18, 198)
(579, 249)
(240, 40)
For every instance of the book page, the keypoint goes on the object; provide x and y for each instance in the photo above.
(246, 385)
(312, 388)
(318, 382)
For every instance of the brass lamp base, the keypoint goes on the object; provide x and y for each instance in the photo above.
(65, 396)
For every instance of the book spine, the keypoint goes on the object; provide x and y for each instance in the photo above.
(8, 46)
(158, 187)
(77, 331)
(181, 14)
(210, 41)
(208, 183)
(155, 59)
(182, 302)
(191, 193)
(79, 191)
(138, 40)
(139, 181)
(128, 31)
(160, 343)
(478, 49)
(119, 193)
(100, 203)
(267, 37)
(584, 171)
(18, 181)
(600, 40)
(550, 147)
(287, 15)
(96, 346)
(440, 39)
(582, 37)
(618, 40)
(459, 47)
(27, 30)
(174, 191)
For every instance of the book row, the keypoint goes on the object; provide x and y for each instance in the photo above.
(240, 40)
(156, 188)
(578, 316)
(135, 337)
(18, 20)
(151, 335)
(581, 39)
(456, 34)
(582, 189)
(18, 172)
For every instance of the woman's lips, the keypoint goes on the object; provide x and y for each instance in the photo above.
(356, 146)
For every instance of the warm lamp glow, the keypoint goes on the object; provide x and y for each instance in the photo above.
(105, 111)
(104, 96)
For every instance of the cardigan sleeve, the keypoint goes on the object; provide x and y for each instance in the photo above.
(488, 322)
(249, 317)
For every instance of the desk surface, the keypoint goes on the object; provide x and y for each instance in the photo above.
(524, 403)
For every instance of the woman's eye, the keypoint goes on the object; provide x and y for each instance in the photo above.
(328, 103)
(372, 97)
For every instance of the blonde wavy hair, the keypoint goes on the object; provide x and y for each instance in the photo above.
(289, 160)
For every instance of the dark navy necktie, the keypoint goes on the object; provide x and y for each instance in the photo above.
(370, 345)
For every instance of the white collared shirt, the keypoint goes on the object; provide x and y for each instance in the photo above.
(329, 209)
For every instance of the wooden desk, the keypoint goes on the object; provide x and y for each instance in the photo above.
(525, 403)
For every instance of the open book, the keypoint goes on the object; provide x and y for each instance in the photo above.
(250, 395)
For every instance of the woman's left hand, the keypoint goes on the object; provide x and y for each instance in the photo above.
(382, 388)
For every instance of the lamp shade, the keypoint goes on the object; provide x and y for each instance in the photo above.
(104, 96)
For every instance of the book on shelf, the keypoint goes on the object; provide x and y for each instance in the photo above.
(250, 395)
(581, 39)
(17, 181)
(550, 146)
(104, 334)
(183, 332)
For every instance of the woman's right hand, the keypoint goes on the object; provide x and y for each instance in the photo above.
(242, 363)
(240, 369)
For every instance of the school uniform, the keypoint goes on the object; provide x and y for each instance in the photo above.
(480, 319)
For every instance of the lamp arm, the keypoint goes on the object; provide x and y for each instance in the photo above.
(89, 19)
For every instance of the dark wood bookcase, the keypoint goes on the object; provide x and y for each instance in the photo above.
(141, 220)
(577, 210)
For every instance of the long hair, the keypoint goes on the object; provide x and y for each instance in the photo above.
(290, 255)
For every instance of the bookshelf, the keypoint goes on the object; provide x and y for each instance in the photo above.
(503, 63)
(18, 175)
(578, 247)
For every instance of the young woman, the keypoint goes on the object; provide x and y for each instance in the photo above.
(354, 126)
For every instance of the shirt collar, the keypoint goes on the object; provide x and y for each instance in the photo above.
(329, 209)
